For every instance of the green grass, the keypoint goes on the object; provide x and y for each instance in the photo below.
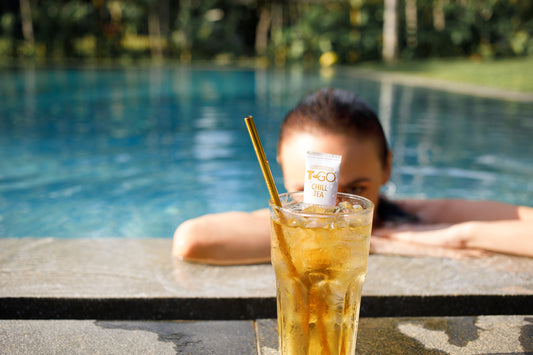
(513, 74)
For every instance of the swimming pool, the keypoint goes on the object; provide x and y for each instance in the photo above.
(132, 152)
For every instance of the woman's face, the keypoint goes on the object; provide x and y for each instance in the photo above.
(361, 173)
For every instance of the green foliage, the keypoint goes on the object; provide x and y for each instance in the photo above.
(207, 28)
(335, 27)
(349, 30)
(486, 29)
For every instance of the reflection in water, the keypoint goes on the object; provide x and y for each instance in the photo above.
(385, 107)
(441, 143)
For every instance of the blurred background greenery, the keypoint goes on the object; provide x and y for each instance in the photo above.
(280, 32)
(266, 32)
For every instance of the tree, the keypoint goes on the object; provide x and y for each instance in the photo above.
(27, 22)
(390, 31)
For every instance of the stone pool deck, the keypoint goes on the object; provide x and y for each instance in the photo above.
(126, 296)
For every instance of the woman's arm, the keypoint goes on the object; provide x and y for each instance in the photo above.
(225, 238)
(504, 236)
(390, 246)
(468, 225)
(510, 237)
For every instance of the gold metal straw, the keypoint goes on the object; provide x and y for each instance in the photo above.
(265, 168)
(283, 246)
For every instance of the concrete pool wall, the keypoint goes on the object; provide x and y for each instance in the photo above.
(138, 279)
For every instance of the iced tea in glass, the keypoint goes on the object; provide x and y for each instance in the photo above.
(320, 256)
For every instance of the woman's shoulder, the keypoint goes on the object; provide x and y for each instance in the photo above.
(390, 212)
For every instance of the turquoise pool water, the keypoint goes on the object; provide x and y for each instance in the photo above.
(134, 152)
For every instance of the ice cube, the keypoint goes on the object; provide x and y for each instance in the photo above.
(318, 222)
(314, 209)
(347, 207)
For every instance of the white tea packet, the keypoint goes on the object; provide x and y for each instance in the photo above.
(321, 178)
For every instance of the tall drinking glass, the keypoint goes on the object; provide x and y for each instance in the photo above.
(320, 260)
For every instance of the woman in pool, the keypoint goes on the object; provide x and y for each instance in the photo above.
(338, 122)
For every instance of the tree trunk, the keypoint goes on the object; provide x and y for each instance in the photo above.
(154, 31)
(276, 30)
(277, 18)
(439, 21)
(261, 33)
(390, 31)
(411, 21)
(27, 23)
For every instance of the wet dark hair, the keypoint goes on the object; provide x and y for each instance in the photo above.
(336, 111)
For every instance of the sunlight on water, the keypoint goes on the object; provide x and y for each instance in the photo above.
(134, 152)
